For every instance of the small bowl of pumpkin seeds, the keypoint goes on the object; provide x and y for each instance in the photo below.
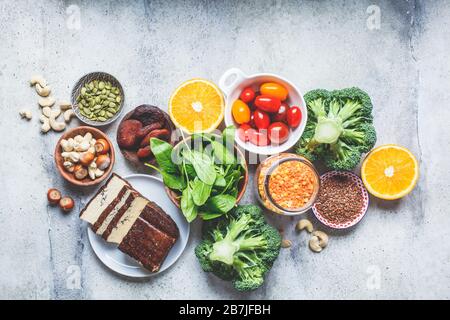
(97, 99)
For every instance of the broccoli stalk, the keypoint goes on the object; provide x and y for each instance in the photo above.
(339, 127)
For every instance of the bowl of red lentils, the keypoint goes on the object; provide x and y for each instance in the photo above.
(287, 184)
(342, 201)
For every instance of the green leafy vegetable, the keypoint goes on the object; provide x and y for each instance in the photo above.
(221, 203)
(239, 247)
(200, 191)
(163, 155)
(222, 154)
(188, 206)
(203, 165)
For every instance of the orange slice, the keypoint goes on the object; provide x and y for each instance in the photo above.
(390, 172)
(197, 105)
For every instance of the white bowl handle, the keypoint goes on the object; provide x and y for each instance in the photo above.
(238, 77)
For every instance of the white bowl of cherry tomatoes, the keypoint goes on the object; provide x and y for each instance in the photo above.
(268, 111)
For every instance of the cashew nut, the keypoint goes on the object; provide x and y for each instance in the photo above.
(81, 147)
(91, 149)
(38, 79)
(55, 125)
(46, 102)
(68, 114)
(45, 123)
(66, 145)
(314, 244)
(69, 166)
(318, 241)
(25, 114)
(47, 111)
(87, 137)
(99, 173)
(65, 105)
(72, 156)
(92, 142)
(91, 172)
(43, 91)
(78, 138)
(323, 238)
(285, 243)
(304, 224)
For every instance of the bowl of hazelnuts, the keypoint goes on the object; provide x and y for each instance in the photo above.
(84, 156)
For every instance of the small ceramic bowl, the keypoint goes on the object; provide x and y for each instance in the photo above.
(59, 160)
(234, 81)
(103, 76)
(361, 214)
(175, 197)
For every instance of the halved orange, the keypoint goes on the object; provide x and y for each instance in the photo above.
(197, 105)
(390, 172)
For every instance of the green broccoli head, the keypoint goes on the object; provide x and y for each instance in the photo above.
(339, 127)
(240, 247)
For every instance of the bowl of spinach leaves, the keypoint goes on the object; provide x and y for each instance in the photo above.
(205, 175)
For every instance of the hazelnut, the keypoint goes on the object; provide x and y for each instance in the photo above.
(66, 203)
(53, 196)
(86, 158)
(103, 161)
(101, 146)
(80, 172)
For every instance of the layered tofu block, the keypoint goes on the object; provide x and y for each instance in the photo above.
(139, 227)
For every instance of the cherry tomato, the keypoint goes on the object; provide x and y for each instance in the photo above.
(243, 131)
(294, 116)
(281, 115)
(240, 111)
(261, 119)
(274, 90)
(252, 120)
(247, 95)
(278, 132)
(267, 104)
(258, 137)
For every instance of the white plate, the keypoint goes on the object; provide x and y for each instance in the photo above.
(153, 189)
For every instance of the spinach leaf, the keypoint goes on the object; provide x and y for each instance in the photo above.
(188, 207)
(172, 181)
(203, 166)
(221, 203)
(163, 155)
(222, 153)
(200, 192)
(209, 215)
(220, 181)
(228, 136)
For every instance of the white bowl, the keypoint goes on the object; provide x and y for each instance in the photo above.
(233, 81)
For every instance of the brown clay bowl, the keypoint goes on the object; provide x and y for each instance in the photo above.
(147, 114)
(242, 186)
(97, 134)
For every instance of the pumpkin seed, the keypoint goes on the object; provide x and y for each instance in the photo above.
(102, 119)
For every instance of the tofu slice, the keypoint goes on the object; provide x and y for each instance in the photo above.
(104, 198)
(127, 220)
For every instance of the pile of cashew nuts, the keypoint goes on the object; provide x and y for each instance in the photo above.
(318, 240)
(49, 113)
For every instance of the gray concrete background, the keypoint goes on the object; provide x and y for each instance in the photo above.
(151, 47)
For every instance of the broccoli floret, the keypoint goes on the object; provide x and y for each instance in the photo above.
(339, 127)
(240, 247)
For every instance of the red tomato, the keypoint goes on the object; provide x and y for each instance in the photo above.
(267, 104)
(243, 131)
(247, 95)
(261, 119)
(278, 132)
(252, 121)
(258, 137)
(281, 115)
(274, 90)
(294, 116)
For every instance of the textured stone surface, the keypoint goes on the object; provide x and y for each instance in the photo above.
(151, 47)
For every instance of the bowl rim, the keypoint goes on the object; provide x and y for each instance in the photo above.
(357, 219)
(83, 80)
(241, 77)
(69, 176)
(172, 194)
